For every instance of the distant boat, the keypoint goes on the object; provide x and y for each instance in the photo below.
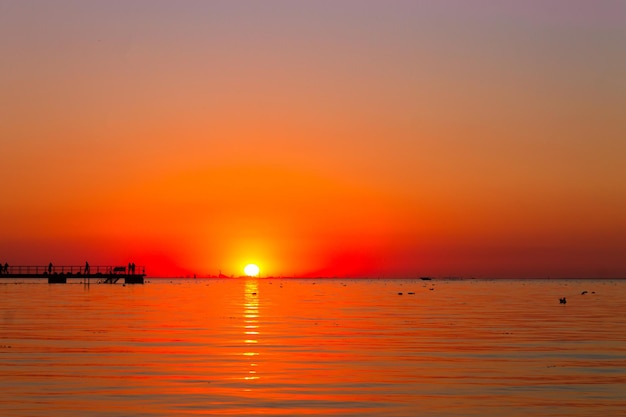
(425, 278)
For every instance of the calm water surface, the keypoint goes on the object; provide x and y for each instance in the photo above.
(314, 347)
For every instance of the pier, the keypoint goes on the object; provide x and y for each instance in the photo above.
(60, 274)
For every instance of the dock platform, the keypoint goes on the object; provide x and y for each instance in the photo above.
(60, 274)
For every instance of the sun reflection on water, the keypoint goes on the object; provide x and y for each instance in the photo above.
(251, 326)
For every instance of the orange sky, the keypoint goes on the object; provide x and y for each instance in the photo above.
(353, 138)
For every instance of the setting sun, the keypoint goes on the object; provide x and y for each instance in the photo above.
(251, 270)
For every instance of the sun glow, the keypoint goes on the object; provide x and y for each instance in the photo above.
(251, 270)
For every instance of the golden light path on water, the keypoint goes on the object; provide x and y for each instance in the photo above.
(251, 325)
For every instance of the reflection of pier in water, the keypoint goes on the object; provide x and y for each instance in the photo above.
(60, 274)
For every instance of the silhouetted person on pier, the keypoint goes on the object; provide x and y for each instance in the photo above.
(6, 268)
(129, 267)
(86, 267)
(133, 267)
(50, 268)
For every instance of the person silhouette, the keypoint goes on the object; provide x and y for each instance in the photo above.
(86, 267)
(6, 268)
(50, 268)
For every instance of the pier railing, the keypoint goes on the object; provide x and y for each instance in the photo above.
(71, 269)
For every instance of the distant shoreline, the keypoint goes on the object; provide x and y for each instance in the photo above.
(400, 278)
(81, 279)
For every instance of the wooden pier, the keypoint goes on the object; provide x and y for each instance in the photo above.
(60, 274)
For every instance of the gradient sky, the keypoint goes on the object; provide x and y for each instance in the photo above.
(321, 138)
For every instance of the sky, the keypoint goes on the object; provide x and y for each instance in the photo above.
(344, 138)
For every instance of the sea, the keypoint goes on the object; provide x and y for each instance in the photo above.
(313, 347)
